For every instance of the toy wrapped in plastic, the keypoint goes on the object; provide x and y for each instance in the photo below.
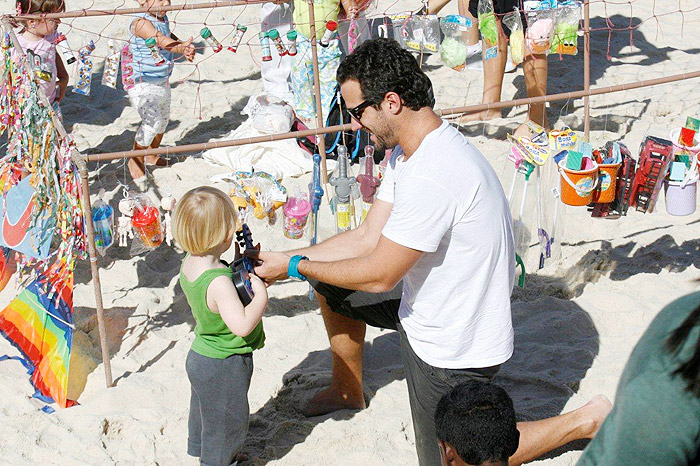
(516, 41)
(146, 222)
(83, 72)
(111, 66)
(259, 191)
(453, 49)
(421, 33)
(488, 28)
(565, 38)
(103, 224)
(538, 36)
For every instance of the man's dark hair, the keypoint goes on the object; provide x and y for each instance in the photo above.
(381, 66)
(478, 420)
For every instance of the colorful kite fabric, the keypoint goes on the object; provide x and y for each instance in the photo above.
(39, 322)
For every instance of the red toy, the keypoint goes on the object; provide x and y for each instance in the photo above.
(654, 157)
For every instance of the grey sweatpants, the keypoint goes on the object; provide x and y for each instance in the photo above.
(218, 422)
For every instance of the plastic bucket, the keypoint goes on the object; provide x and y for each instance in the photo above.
(577, 186)
(607, 176)
(146, 222)
(680, 200)
(296, 212)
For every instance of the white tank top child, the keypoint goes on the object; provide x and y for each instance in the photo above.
(448, 202)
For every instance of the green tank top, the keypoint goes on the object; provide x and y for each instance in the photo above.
(212, 338)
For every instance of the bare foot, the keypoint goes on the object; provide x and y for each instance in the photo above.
(329, 400)
(595, 412)
(156, 160)
(484, 115)
(136, 168)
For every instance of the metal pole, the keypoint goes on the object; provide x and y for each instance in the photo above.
(317, 92)
(94, 268)
(586, 68)
(442, 112)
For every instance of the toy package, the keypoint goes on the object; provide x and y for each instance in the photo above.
(145, 222)
(538, 36)
(488, 28)
(103, 225)
(421, 33)
(516, 41)
(565, 37)
(111, 66)
(453, 49)
(83, 72)
(258, 191)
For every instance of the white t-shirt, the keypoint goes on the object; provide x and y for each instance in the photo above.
(447, 201)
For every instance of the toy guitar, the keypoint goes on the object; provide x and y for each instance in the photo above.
(243, 267)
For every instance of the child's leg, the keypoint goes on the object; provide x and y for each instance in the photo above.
(222, 387)
(152, 101)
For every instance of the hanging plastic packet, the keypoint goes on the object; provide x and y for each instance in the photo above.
(103, 225)
(146, 222)
(514, 23)
(265, 46)
(538, 36)
(237, 38)
(110, 71)
(83, 72)
(210, 40)
(331, 27)
(277, 40)
(488, 28)
(292, 43)
(422, 33)
(453, 49)
(127, 68)
(62, 45)
(565, 38)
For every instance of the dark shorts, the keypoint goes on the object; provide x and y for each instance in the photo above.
(426, 383)
(500, 7)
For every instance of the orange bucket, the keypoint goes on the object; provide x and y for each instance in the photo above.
(577, 186)
(607, 176)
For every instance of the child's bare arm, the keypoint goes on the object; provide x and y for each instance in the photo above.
(61, 78)
(145, 30)
(240, 320)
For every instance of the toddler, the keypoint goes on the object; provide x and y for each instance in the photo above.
(328, 57)
(148, 85)
(37, 39)
(220, 362)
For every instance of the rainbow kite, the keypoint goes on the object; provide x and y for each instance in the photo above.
(39, 322)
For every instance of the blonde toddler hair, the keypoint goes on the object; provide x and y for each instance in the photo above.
(204, 218)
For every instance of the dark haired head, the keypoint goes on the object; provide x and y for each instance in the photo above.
(381, 66)
(34, 7)
(478, 420)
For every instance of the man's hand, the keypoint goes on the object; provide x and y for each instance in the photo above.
(272, 265)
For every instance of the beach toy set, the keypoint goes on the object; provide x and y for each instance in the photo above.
(552, 26)
(257, 193)
(681, 183)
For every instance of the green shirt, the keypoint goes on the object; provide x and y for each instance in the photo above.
(655, 420)
(212, 338)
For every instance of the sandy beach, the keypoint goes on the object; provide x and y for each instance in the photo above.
(576, 321)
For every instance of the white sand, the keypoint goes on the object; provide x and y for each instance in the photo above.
(576, 321)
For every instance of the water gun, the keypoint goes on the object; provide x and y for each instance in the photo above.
(315, 196)
(343, 187)
(368, 182)
(243, 267)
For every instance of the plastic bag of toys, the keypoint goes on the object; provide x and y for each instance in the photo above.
(453, 49)
(565, 37)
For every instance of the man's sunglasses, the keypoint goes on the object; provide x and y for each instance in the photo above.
(357, 112)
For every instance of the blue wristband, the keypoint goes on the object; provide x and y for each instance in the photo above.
(292, 268)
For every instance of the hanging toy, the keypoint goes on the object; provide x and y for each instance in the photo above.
(103, 225)
(168, 205)
(84, 69)
(111, 66)
(237, 38)
(368, 182)
(265, 46)
(343, 187)
(155, 52)
(328, 34)
(124, 230)
(210, 40)
(127, 68)
(292, 46)
(146, 222)
(62, 45)
(277, 40)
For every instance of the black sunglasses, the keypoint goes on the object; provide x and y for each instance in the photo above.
(357, 112)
